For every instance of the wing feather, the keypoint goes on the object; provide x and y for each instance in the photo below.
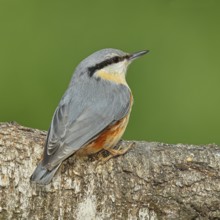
(84, 111)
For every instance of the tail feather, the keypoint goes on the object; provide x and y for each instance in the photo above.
(43, 176)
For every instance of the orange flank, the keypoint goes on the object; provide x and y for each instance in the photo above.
(108, 138)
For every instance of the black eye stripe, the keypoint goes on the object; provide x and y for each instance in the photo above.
(98, 66)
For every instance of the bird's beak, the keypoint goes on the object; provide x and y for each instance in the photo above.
(137, 54)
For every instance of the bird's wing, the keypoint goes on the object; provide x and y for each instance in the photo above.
(82, 114)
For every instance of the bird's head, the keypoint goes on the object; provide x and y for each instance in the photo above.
(108, 64)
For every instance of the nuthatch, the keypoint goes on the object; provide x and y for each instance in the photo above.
(92, 114)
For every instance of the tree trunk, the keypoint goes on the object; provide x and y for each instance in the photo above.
(151, 181)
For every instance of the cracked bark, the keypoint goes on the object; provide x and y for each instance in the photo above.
(151, 181)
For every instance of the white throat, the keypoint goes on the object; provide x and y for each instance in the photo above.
(117, 68)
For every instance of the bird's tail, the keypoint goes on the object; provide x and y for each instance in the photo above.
(43, 176)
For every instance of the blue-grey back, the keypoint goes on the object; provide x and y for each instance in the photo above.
(87, 107)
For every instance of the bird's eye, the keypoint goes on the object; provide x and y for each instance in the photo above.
(116, 59)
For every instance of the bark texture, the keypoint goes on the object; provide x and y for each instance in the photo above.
(151, 181)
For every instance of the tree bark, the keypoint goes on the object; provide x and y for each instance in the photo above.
(151, 181)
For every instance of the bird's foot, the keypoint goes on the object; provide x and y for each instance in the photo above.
(117, 150)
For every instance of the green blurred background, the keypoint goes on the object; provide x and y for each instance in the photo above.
(176, 87)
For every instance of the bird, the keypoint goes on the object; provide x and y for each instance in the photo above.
(92, 114)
